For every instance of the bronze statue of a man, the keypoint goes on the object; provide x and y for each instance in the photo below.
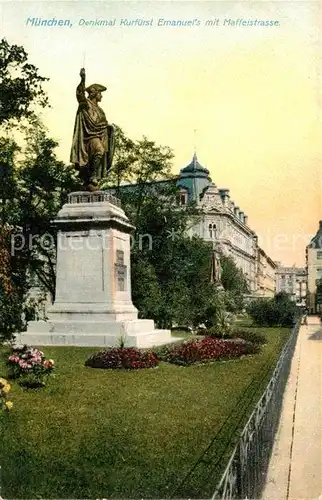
(93, 140)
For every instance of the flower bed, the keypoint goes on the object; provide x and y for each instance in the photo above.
(30, 366)
(205, 350)
(122, 357)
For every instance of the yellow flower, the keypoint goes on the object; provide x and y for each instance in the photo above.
(4, 386)
(9, 405)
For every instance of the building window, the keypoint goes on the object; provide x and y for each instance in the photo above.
(319, 254)
(212, 231)
(182, 198)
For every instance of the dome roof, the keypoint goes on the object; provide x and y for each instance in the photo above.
(194, 167)
(194, 178)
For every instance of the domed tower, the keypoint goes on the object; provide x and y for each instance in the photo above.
(193, 180)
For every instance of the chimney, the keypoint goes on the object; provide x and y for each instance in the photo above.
(241, 216)
(224, 194)
(236, 211)
(246, 219)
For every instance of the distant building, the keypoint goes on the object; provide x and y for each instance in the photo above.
(265, 275)
(314, 272)
(293, 281)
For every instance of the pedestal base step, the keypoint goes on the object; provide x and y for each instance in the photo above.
(136, 333)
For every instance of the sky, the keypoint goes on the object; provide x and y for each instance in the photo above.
(248, 98)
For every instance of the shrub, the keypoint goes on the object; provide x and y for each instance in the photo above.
(30, 366)
(10, 315)
(278, 311)
(217, 333)
(5, 387)
(205, 350)
(122, 357)
(250, 336)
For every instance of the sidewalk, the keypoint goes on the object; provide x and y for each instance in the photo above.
(295, 470)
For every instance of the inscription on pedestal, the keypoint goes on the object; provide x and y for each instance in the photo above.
(120, 272)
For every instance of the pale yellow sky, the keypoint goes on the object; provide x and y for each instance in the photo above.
(253, 94)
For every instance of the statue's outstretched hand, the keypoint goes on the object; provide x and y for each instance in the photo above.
(82, 73)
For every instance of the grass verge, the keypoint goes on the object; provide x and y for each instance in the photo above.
(157, 433)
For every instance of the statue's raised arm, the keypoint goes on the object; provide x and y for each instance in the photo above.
(80, 91)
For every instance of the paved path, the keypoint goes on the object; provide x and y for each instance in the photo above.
(295, 470)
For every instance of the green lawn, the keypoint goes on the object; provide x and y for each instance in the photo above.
(158, 433)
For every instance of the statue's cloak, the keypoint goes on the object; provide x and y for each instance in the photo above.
(91, 123)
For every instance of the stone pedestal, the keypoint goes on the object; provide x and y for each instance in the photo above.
(93, 304)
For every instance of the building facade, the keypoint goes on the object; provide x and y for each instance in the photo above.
(314, 273)
(293, 281)
(223, 222)
(225, 225)
(265, 275)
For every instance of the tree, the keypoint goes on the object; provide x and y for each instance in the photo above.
(146, 292)
(234, 283)
(8, 184)
(37, 186)
(232, 277)
(21, 92)
(43, 183)
(11, 294)
(179, 266)
(20, 84)
(137, 162)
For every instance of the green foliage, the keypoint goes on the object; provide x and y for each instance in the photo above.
(36, 186)
(11, 294)
(11, 307)
(234, 283)
(33, 184)
(139, 162)
(43, 183)
(224, 322)
(170, 271)
(232, 277)
(20, 84)
(278, 311)
(250, 336)
(146, 292)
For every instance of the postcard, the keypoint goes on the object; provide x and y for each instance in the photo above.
(161, 179)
